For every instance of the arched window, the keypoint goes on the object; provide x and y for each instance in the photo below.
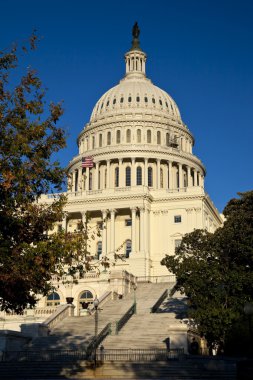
(138, 136)
(167, 139)
(76, 180)
(150, 176)
(93, 142)
(116, 179)
(148, 136)
(158, 137)
(108, 138)
(53, 299)
(161, 178)
(100, 140)
(99, 179)
(90, 181)
(185, 180)
(118, 137)
(99, 249)
(128, 248)
(128, 136)
(139, 176)
(86, 297)
(105, 179)
(128, 176)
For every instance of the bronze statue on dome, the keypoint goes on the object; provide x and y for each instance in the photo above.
(136, 30)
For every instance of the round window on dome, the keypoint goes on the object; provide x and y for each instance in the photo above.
(160, 102)
(129, 99)
(121, 100)
(153, 100)
(166, 104)
(107, 104)
(114, 101)
(102, 105)
(145, 99)
(137, 99)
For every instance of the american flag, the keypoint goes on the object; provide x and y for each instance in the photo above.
(87, 162)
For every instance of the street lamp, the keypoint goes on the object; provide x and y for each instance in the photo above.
(96, 303)
(248, 310)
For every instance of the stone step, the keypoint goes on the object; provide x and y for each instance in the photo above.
(174, 370)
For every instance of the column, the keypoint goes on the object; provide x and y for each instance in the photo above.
(120, 173)
(189, 177)
(80, 179)
(158, 168)
(170, 175)
(84, 218)
(87, 179)
(112, 230)
(180, 176)
(104, 233)
(133, 209)
(69, 181)
(108, 174)
(195, 177)
(142, 228)
(74, 181)
(65, 222)
(145, 172)
(96, 179)
(203, 181)
(133, 179)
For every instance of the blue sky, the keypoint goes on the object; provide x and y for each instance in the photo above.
(199, 51)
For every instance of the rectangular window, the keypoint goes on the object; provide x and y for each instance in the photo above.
(128, 222)
(177, 219)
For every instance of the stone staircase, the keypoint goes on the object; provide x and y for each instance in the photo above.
(143, 330)
(195, 369)
(147, 330)
(75, 333)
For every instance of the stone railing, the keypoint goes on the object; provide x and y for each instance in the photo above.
(37, 313)
(170, 278)
(61, 312)
(102, 300)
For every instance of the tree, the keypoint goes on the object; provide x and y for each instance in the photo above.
(29, 136)
(215, 271)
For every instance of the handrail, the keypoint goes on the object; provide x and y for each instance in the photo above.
(159, 301)
(95, 342)
(124, 319)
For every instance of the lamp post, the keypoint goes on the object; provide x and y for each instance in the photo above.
(135, 305)
(248, 310)
(96, 303)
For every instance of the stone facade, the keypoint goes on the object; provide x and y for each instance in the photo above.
(145, 188)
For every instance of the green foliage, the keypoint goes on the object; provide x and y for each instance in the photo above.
(29, 136)
(215, 270)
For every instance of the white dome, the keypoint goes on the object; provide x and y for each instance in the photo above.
(135, 94)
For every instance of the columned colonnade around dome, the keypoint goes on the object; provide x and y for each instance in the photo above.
(130, 172)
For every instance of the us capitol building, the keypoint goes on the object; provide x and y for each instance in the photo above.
(137, 177)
